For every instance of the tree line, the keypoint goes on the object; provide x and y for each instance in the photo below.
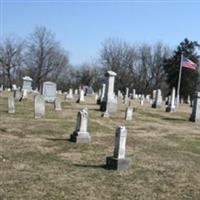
(143, 67)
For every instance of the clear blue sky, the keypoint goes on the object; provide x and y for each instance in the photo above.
(82, 26)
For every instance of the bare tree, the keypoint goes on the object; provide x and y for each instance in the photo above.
(10, 59)
(44, 56)
(120, 57)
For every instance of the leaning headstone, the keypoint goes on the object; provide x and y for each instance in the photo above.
(39, 106)
(49, 91)
(195, 116)
(11, 104)
(81, 135)
(118, 160)
(158, 99)
(109, 101)
(57, 104)
(129, 113)
(171, 106)
(27, 83)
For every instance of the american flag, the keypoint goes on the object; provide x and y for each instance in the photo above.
(188, 63)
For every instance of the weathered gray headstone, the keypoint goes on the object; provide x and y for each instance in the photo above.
(27, 83)
(158, 99)
(81, 135)
(171, 106)
(39, 106)
(129, 113)
(11, 104)
(49, 91)
(57, 104)
(195, 116)
(118, 160)
(109, 102)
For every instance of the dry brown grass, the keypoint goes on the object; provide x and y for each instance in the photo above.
(38, 162)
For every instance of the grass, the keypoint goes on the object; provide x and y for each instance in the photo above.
(38, 162)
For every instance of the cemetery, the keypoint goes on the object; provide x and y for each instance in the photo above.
(99, 100)
(75, 153)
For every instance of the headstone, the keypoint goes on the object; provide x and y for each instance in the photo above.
(134, 93)
(129, 113)
(171, 106)
(76, 92)
(49, 91)
(126, 97)
(11, 104)
(27, 83)
(189, 100)
(57, 104)
(158, 99)
(195, 116)
(39, 106)
(109, 101)
(81, 135)
(24, 94)
(118, 160)
(102, 93)
(70, 94)
(89, 91)
(1, 88)
(81, 96)
(142, 100)
(14, 89)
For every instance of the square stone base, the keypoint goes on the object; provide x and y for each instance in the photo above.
(117, 164)
(79, 137)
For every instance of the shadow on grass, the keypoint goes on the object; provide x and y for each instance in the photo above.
(90, 166)
(58, 139)
(174, 119)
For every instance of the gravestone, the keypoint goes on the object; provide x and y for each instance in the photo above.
(76, 92)
(1, 88)
(126, 98)
(171, 106)
(11, 104)
(81, 135)
(24, 94)
(109, 102)
(49, 91)
(129, 113)
(57, 104)
(27, 83)
(70, 94)
(118, 160)
(158, 99)
(89, 91)
(81, 96)
(195, 116)
(134, 93)
(39, 106)
(102, 93)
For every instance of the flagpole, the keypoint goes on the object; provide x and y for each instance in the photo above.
(179, 81)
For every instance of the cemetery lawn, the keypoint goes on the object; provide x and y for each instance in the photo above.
(37, 161)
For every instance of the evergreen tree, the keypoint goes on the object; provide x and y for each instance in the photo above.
(172, 66)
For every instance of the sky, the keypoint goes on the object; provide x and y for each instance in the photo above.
(83, 26)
